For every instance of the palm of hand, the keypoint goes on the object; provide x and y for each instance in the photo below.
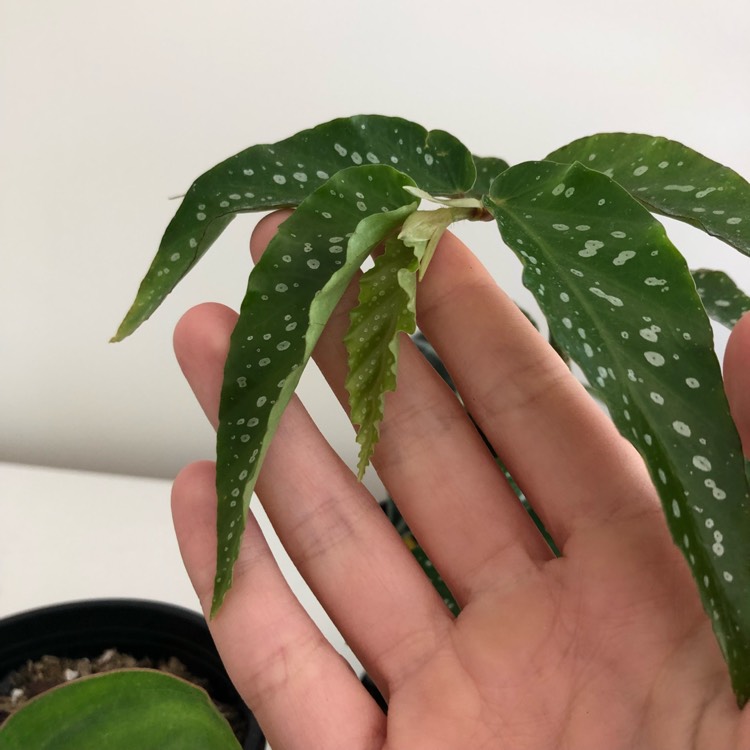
(606, 647)
(595, 651)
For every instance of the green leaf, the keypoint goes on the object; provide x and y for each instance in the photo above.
(291, 294)
(386, 307)
(670, 179)
(620, 300)
(120, 710)
(721, 297)
(282, 174)
(488, 167)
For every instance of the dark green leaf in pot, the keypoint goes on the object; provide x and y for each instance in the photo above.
(488, 167)
(386, 307)
(290, 295)
(620, 300)
(122, 710)
(282, 174)
(723, 300)
(670, 179)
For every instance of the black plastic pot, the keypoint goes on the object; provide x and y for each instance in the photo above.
(137, 627)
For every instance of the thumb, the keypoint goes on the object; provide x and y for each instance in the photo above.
(737, 378)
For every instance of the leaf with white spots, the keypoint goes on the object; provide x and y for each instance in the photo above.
(724, 301)
(619, 298)
(386, 307)
(282, 174)
(488, 167)
(291, 294)
(671, 179)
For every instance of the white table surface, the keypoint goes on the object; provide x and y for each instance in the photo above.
(70, 535)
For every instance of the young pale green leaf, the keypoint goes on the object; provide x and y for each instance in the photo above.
(386, 307)
(620, 300)
(721, 297)
(291, 294)
(670, 179)
(423, 229)
(488, 167)
(120, 711)
(282, 174)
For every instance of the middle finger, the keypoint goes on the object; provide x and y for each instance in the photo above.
(434, 463)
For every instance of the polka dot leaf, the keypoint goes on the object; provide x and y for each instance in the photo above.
(488, 167)
(386, 307)
(723, 300)
(282, 174)
(291, 293)
(620, 300)
(670, 179)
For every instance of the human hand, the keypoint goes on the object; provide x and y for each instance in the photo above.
(606, 647)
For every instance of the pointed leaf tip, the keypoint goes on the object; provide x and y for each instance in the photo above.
(671, 179)
(724, 301)
(282, 174)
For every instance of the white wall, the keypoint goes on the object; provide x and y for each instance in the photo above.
(107, 109)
